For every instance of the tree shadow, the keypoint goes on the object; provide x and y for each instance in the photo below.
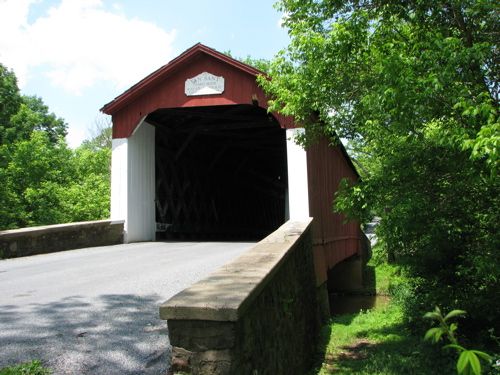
(392, 357)
(321, 348)
(351, 301)
(109, 334)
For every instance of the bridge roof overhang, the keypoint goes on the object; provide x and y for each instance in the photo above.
(165, 88)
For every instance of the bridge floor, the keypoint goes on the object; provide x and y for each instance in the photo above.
(95, 311)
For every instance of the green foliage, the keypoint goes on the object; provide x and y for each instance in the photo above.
(377, 342)
(34, 173)
(21, 115)
(46, 184)
(29, 368)
(388, 276)
(10, 99)
(468, 362)
(100, 135)
(33, 115)
(413, 87)
(261, 64)
(381, 341)
(42, 181)
(87, 197)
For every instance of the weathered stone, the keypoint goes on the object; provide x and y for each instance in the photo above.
(52, 238)
(181, 360)
(207, 362)
(201, 335)
(323, 303)
(212, 362)
(256, 315)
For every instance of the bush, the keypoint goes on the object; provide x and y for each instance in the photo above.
(29, 368)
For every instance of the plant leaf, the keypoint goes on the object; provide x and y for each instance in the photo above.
(453, 327)
(432, 315)
(462, 362)
(455, 313)
(454, 346)
(434, 334)
(482, 355)
(467, 360)
(474, 363)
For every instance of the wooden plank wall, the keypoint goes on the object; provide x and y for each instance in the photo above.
(333, 240)
(141, 185)
(239, 88)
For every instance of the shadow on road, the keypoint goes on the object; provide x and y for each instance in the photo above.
(109, 334)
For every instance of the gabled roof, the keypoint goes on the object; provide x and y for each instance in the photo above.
(171, 66)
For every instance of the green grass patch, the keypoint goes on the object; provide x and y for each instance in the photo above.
(384, 276)
(29, 368)
(383, 340)
(381, 276)
(377, 342)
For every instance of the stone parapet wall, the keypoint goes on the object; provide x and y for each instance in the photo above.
(52, 238)
(256, 315)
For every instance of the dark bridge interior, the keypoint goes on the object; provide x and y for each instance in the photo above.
(221, 173)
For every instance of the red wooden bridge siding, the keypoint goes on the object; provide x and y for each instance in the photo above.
(333, 239)
(165, 89)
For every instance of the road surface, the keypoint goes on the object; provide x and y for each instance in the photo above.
(95, 311)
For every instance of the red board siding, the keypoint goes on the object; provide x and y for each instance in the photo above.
(168, 92)
(334, 241)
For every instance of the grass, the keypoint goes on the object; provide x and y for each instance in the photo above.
(380, 276)
(29, 368)
(377, 342)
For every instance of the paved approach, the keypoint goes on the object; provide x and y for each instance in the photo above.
(95, 311)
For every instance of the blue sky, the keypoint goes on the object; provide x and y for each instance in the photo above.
(80, 54)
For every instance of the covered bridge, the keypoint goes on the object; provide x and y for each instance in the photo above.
(196, 155)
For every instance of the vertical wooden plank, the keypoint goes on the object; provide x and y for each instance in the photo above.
(141, 184)
(327, 166)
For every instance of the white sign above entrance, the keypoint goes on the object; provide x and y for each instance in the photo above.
(204, 84)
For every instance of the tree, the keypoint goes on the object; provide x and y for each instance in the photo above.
(88, 196)
(20, 115)
(413, 86)
(262, 64)
(100, 134)
(10, 99)
(34, 176)
(42, 181)
(33, 115)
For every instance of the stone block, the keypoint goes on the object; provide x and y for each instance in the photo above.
(207, 362)
(201, 335)
(52, 238)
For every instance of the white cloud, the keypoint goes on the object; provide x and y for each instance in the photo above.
(76, 135)
(79, 43)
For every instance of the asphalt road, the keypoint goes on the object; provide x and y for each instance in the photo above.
(95, 311)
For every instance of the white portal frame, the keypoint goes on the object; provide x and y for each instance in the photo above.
(133, 182)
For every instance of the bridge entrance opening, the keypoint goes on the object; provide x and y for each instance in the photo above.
(221, 172)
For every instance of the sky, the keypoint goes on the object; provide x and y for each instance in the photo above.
(78, 55)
